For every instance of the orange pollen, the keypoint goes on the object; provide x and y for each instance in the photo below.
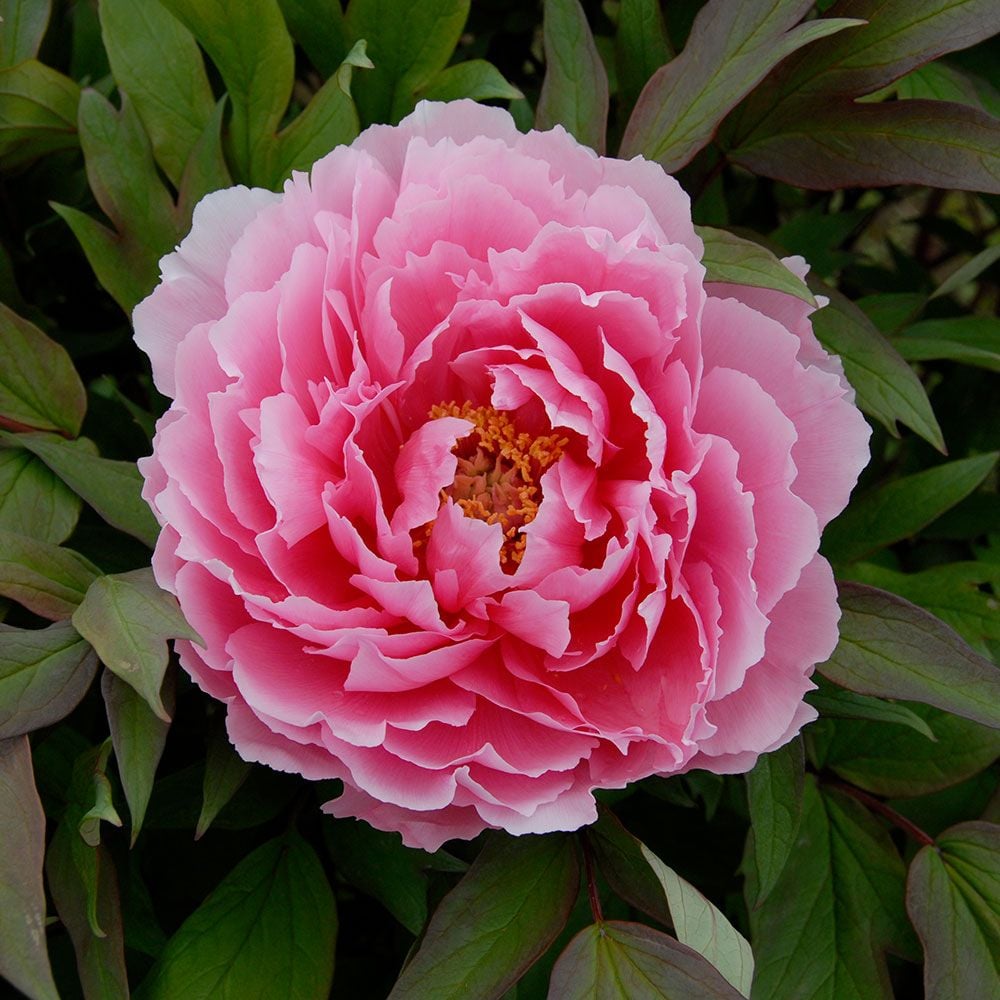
(498, 473)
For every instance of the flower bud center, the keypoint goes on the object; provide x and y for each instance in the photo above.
(499, 471)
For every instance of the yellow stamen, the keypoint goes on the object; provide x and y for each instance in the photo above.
(498, 472)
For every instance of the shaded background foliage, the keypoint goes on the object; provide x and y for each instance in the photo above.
(860, 861)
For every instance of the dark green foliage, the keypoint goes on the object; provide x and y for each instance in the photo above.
(140, 855)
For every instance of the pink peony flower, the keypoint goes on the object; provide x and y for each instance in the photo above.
(479, 496)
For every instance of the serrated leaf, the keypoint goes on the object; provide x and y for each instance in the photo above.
(138, 736)
(24, 23)
(43, 675)
(509, 907)
(885, 384)
(846, 144)
(621, 861)
(318, 26)
(704, 928)
(641, 47)
(33, 501)
(615, 960)
(250, 45)
(953, 898)
(730, 49)
(329, 119)
(409, 45)
(893, 649)
(575, 89)
(24, 959)
(225, 772)
(774, 791)
(476, 79)
(271, 921)
(894, 760)
(156, 61)
(128, 620)
(46, 579)
(112, 488)
(837, 703)
(730, 259)
(824, 929)
(37, 112)
(39, 386)
(900, 508)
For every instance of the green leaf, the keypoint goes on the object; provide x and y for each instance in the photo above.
(270, 925)
(953, 592)
(896, 760)
(846, 144)
(205, 171)
(641, 47)
(39, 386)
(890, 648)
(37, 113)
(138, 737)
(330, 119)
(33, 501)
(46, 579)
(225, 772)
(823, 930)
(112, 488)
(885, 384)
(128, 620)
(84, 882)
(123, 175)
(774, 791)
(379, 864)
(733, 260)
(730, 49)
(837, 703)
(24, 23)
(24, 960)
(475, 78)
(938, 81)
(968, 272)
(409, 45)
(250, 45)
(318, 26)
(971, 340)
(900, 508)
(899, 37)
(953, 898)
(615, 960)
(506, 911)
(621, 861)
(575, 89)
(156, 61)
(43, 675)
(704, 928)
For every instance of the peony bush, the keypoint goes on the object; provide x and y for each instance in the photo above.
(480, 498)
(499, 499)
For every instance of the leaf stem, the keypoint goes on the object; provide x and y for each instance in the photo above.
(588, 864)
(886, 811)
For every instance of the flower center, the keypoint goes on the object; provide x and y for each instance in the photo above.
(498, 473)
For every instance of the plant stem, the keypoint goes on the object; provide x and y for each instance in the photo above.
(878, 806)
(588, 863)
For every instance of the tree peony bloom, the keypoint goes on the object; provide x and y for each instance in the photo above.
(479, 496)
